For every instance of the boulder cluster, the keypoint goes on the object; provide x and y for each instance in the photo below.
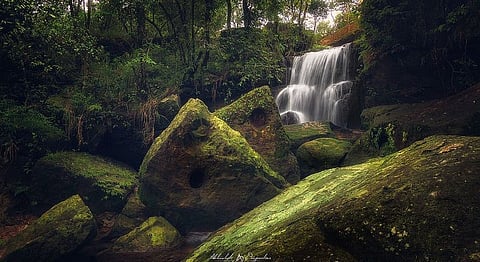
(204, 170)
(404, 189)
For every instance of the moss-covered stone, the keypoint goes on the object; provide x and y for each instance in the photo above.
(301, 133)
(255, 116)
(321, 154)
(132, 215)
(419, 203)
(201, 173)
(153, 234)
(55, 234)
(393, 127)
(103, 185)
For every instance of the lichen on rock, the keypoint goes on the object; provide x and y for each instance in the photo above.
(58, 232)
(103, 184)
(201, 172)
(419, 203)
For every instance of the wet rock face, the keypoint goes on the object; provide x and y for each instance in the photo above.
(393, 127)
(59, 231)
(419, 203)
(103, 184)
(200, 173)
(255, 116)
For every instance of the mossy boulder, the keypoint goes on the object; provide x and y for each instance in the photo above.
(419, 203)
(58, 232)
(393, 127)
(321, 154)
(104, 185)
(201, 173)
(154, 234)
(132, 215)
(302, 133)
(255, 116)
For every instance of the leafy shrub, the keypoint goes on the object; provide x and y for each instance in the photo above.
(26, 133)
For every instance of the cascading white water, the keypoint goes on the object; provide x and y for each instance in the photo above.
(319, 87)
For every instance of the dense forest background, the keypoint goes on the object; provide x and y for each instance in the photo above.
(74, 72)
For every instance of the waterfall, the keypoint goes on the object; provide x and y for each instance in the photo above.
(319, 87)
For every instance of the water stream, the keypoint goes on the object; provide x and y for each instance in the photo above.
(319, 88)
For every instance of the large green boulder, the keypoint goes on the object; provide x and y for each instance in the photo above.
(58, 232)
(201, 173)
(104, 185)
(154, 234)
(321, 154)
(302, 133)
(419, 203)
(255, 116)
(393, 127)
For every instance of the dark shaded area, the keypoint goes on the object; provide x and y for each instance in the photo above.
(196, 178)
(415, 51)
(258, 118)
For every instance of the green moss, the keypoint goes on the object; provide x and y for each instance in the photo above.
(322, 153)
(261, 229)
(222, 140)
(200, 165)
(153, 234)
(57, 232)
(393, 127)
(301, 133)
(239, 111)
(104, 184)
(388, 208)
(110, 177)
(255, 116)
(194, 108)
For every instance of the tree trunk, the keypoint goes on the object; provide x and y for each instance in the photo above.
(174, 32)
(89, 14)
(208, 21)
(192, 35)
(300, 10)
(141, 20)
(247, 15)
(229, 14)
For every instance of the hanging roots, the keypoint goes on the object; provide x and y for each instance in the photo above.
(9, 151)
(148, 114)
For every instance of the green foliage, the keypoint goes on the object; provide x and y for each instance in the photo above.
(26, 134)
(318, 8)
(238, 67)
(43, 48)
(345, 18)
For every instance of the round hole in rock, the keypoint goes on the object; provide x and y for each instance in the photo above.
(196, 178)
(258, 117)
